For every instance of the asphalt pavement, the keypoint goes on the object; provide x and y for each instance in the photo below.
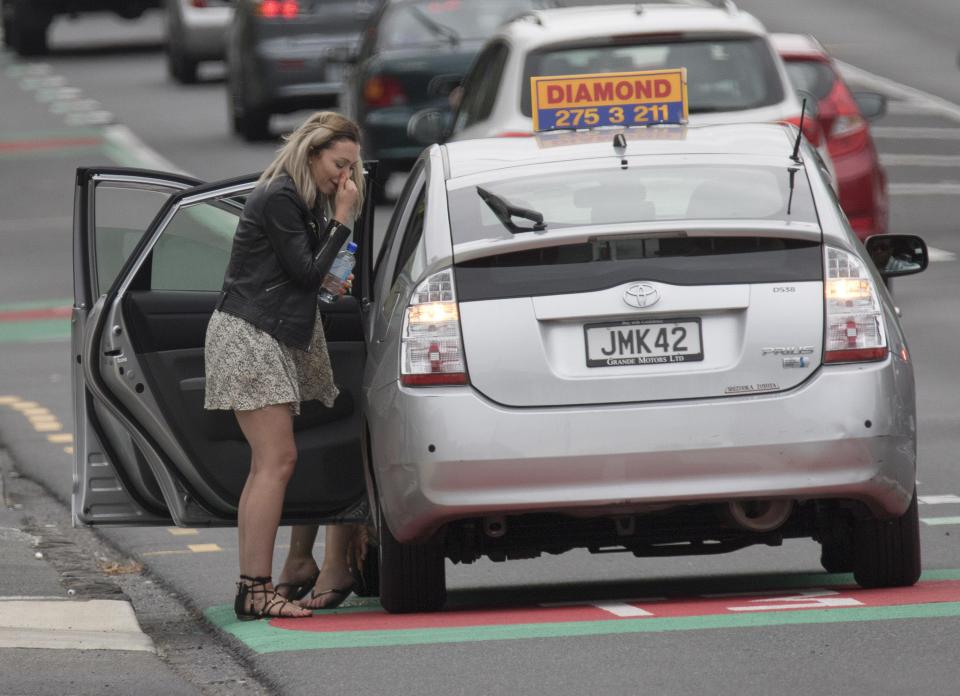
(179, 581)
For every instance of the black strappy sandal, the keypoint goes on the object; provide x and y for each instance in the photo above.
(250, 587)
(296, 590)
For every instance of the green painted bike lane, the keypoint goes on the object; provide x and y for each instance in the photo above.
(802, 599)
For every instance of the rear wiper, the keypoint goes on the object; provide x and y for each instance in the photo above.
(506, 211)
(436, 28)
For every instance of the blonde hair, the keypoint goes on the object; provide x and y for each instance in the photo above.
(317, 133)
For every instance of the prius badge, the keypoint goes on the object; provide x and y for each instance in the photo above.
(641, 295)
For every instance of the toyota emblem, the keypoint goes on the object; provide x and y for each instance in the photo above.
(641, 295)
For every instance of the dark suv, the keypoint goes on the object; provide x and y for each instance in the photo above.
(25, 22)
(278, 57)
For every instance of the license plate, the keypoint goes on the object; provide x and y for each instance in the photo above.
(643, 342)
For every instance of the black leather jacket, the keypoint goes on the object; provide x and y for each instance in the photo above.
(278, 260)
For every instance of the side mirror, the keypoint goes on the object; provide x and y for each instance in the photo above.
(872, 105)
(443, 85)
(897, 254)
(430, 126)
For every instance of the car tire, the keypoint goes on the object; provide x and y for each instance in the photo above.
(412, 576)
(181, 67)
(887, 552)
(249, 122)
(26, 33)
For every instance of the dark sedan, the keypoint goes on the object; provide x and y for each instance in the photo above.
(412, 53)
(277, 57)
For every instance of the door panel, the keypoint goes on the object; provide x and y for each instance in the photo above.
(122, 201)
(148, 368)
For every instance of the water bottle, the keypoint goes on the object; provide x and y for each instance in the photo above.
(337, 276)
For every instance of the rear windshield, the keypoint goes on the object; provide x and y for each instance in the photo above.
(729, 74)
(811, 76)
(637, 194)
(427, 22)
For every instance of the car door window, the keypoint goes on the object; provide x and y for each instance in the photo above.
(122, 213)
(481, 88)
(193, 252)
(411, 235)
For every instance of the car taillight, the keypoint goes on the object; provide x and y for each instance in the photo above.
(855, 327)
(279, 8)
(811, 129)
(431, 346)
(198, 3)
(514, 134)
(381, 90)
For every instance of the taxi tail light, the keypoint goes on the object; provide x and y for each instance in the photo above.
(198, 3)
(811, 129)
(284, 9)
(382, 90)
(431, 344)
(855, 330)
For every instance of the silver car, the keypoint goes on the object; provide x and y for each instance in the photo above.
(196, 32)
(661, 341)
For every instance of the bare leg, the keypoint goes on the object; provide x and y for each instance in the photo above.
(300, 566)
(335, 573)
(269, 431)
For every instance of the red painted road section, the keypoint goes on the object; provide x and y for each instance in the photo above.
(46, 144)
(848, 597)
(30, 314)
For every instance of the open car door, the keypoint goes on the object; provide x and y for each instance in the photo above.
(146, 282)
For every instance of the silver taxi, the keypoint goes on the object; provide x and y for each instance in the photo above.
(661, 340)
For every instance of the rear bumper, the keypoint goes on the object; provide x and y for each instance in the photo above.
(444, 454)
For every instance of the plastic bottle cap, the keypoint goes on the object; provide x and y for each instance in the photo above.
(352, 247)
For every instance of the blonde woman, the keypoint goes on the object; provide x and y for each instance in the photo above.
(265, 350)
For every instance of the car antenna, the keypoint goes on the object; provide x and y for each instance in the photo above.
(796, 146)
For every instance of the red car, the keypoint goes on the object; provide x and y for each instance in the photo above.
(843, 117)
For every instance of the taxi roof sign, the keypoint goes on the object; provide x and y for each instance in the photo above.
(638, 98)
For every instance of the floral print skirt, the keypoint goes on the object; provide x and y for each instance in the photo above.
(247, 368)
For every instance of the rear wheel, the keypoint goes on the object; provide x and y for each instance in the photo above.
(181, 67)
(887, 552)
(412, 576)
(249, 122)
(24, 29)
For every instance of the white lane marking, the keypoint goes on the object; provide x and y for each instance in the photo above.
(899, 160)
(939, 499)
(911, 108)
(937, 521)
(947, 188)
(902, 91)
(914, 133)
(141, 154)
(621, 609)
(97, 624)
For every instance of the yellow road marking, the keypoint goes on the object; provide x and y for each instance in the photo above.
(60, 437)
(176, 531)
(68, 450)
(9, 400)
(171, 552)
(25, 405)
(37, 412)
(47, 427)
(45, 418)
(204, 548)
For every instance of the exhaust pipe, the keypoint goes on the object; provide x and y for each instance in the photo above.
(757, 515)
(495, 527)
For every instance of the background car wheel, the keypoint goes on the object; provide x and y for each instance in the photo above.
(249, 122)
(24, 30)
(887, 552)
(412, 576)
(180, 66)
